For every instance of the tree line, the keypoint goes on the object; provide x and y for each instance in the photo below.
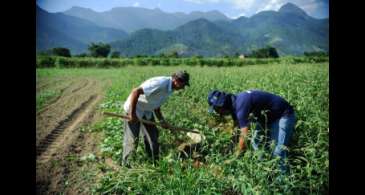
(104, 50)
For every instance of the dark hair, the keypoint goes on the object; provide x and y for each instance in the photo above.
(182, 76)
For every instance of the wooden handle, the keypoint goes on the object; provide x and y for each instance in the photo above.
(150, 122)
(126, 117)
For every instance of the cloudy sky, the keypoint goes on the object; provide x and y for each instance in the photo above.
(231, 8)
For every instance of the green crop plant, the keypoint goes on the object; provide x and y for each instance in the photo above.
(304, 85)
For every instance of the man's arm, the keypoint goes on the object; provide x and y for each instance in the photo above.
(136, 92)
(161, 118)
(159, 114)
(244, 133)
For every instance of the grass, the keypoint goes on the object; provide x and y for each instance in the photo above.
(305, 86)
(44, 97)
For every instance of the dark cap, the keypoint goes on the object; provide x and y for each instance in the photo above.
(183, 76)
(216, 99)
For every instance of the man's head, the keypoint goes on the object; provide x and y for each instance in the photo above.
(180, 79)
(219, 102)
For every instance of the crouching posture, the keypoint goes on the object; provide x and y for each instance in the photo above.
(143, 102)
(262, 110)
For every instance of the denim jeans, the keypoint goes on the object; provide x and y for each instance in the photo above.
(280, 131)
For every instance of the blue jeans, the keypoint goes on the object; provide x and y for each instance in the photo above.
(280, 131)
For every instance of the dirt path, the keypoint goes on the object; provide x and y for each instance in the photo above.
(60, 135)
(60, 143)
(51, 116)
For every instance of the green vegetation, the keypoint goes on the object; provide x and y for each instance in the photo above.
(115, 54)
(304, 85)
(60, 51)
(44, 97)
(316, 54)
(268, 52)
(74, 62)
(99, 49)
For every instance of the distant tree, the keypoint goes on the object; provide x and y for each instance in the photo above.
(198, 56)
(61, 51)
(272, 52)
(173, 55)
(81, 55)
(115, 54)
(99, 49)
(162, 55)
(268, 52)
(316, 54)
(45, 52)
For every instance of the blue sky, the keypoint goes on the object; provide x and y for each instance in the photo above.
(231, 8)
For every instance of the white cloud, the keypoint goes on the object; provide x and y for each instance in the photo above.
(270, 5)
(136, 4)
(250, 7)
(237, 16)
(243, 4)
(310, 8)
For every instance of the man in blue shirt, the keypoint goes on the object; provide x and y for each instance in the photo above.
(265, 110)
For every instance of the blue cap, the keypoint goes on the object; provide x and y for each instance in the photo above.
(216, 99)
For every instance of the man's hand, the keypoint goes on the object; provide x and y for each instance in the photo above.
(244, 133)
(132, 118)
(241, 147)
(161, 119)
(241, 144)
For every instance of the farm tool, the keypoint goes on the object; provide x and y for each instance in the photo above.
(193, 133)
(195, 136)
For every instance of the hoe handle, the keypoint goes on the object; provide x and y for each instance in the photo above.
(150, 122)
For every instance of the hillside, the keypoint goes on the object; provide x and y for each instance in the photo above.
(131, 19)
(290, 30)
(59, 30)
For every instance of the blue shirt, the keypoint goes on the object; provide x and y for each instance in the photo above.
(255, 101)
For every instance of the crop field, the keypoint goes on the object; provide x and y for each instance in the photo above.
(89, 160)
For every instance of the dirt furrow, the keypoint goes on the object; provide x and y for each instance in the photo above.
(48, 145)
(51, 102)
(61, 143)
(55, 112)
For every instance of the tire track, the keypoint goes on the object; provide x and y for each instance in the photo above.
(50, 103)
(45, 84)
(63, 94)
(49, 118)
(83, 86)
(40, 87)
(57, 136)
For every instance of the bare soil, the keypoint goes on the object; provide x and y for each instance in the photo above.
(61, 143)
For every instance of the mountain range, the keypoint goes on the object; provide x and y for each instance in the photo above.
(60, 30)
(290, 30)
(130, 19)
(151, 32)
